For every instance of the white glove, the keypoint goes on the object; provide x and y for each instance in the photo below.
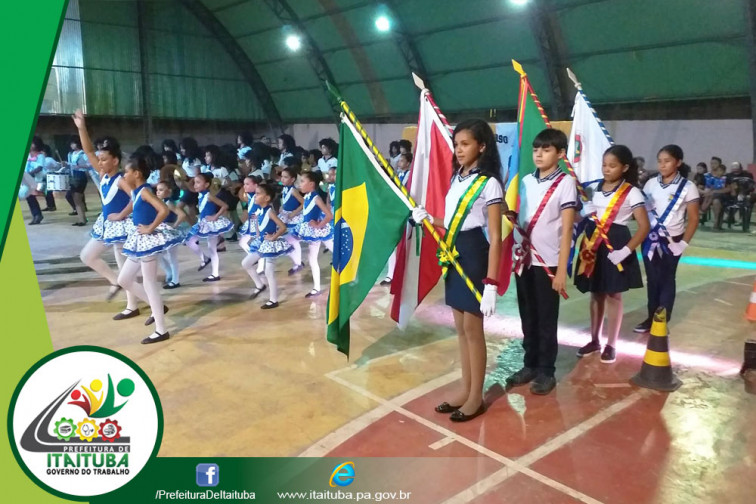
(677, 248)
(488, 301)
(619, 255)
(588, 209)
(419, 214)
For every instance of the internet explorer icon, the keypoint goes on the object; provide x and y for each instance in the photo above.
(342, 475)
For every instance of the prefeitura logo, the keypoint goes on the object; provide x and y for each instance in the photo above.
(84, 421)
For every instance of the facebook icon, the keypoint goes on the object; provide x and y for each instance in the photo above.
(207, 475)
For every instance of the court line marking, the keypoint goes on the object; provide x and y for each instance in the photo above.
(337, 437)
(441, 443)
(511, 464)
(723, 302)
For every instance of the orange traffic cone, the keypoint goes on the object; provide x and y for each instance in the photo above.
(656, 371)
(751, 310)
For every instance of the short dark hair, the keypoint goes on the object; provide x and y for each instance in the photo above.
(717, 158)
(551, 137)
(406, 144)
(75, 140)
(112, 147)
(407, 156)
(37, 143)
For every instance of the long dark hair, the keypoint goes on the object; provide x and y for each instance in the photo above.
(288, 143)
(676, 152)
(191, 148)
(625, 156)
(317, 177)
(489, 162)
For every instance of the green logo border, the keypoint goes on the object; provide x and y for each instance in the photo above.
(48, 358)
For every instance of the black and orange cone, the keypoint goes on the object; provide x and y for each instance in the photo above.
(656, 371)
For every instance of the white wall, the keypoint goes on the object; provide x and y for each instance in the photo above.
(729, 139)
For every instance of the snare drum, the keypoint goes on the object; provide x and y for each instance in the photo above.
(58, 182)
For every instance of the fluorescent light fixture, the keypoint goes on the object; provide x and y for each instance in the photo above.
(382, 23)
(293, 42)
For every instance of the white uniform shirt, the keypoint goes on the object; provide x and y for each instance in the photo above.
(324, 165)
(659, 196)
(192, 168)
(547, 232)
(478, 215)
(601, 199)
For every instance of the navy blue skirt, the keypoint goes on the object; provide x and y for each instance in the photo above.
(472, 246)
(606, 276)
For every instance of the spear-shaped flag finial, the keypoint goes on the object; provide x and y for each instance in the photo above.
(518, 68)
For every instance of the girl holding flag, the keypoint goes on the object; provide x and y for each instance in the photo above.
(474, 201)
(606, 265)
(671, 196)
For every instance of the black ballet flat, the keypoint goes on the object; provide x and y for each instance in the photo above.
(458, 416)
(269, 305)
(160, 337)
(211, 278)
(151, 319)
(204, 264)
(257, 292)
(312, 293)
(445, 407)
(114, 289)
(124, 316)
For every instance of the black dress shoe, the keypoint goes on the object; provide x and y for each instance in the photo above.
(151, 320)
(211, 278)
(73, 213)
(124, 316)
(542, 385)
(458, 416)
(204, 264)
(49, 209)
(445, 407)
(312, 293)
(79, 224)
(521, 377)
(269, 305)
(35, 220)
(257, 291)
(160, 337)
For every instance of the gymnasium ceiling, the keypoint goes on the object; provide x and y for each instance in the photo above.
(623, 51)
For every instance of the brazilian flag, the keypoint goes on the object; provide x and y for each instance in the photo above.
(370, 215)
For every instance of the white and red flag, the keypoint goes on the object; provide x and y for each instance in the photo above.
(417, 269)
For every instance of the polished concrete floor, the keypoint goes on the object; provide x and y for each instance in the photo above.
(235, 380)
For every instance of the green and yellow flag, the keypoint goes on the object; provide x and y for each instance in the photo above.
(369, 218)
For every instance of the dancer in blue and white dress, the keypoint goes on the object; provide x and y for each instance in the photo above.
(247, 196)
(112, 226)
(211, 225)
(177, 220)
(316, 226)
(267, 243)
(148, 238)
(291, 214)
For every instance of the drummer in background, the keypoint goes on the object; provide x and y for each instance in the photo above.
(79, 166)
(35, 166)
(51, 166)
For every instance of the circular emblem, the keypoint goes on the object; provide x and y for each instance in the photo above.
(346, 243)
(84, 421)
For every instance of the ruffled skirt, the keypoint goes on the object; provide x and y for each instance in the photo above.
(305, 232)
(111, 231)
(205, 228)
(144, 245)
(269, 249)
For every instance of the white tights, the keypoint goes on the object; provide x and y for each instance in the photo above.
(314, 249)
(296, 249)
(212, 251)
(248, 263)
(169, 261)
(91, 255)
(127, 279)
